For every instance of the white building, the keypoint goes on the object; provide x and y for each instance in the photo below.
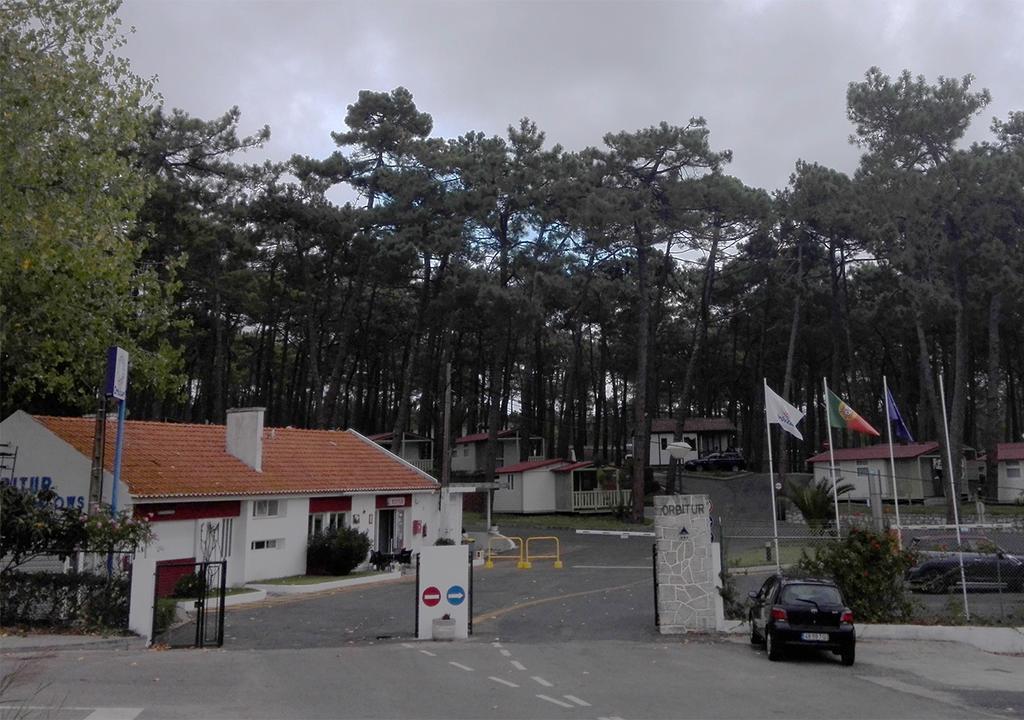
(468, 452)
(1010, 472)
(916, 463)
(260, 491)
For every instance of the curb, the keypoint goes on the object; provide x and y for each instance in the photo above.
(1005, 641)
(332, 585)
(21, 643)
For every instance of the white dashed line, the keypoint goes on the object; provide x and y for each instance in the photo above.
(408, 645)
(541, 681)
(427, 652)
(518, 665)
(467, 668)
(573, 698)
(556, 702)
(506, 653)
(495, 644)
(503, 682)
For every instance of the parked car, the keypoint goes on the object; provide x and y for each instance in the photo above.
(728, 460)
(802, 612)
(986, 565)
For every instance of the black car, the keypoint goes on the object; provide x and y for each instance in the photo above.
(986, 565)
(804, 612)
(728, 460)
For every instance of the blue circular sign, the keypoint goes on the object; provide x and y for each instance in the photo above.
(456, 594)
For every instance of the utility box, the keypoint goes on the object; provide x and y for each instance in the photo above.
(443, 587)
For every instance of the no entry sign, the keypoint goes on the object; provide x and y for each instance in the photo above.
(431, 596)
(444, 589)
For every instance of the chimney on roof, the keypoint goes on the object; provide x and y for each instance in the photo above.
(245, 435)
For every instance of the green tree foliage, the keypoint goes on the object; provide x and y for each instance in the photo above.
(868, 567)
(31, 526)
(71, 282)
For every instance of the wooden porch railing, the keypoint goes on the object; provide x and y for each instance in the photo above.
(600, 499)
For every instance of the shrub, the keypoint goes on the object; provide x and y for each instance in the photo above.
(336, 551)
(78, 600)
(815, 501)
(869, 568)
(188, 586)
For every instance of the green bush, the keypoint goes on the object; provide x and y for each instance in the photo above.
(78, 600)
(336, 551)
(188, 586)
(869, 568)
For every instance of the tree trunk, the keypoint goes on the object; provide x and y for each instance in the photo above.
(641, 432)
(993, 410)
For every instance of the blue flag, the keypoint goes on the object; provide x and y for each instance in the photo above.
(899, 427)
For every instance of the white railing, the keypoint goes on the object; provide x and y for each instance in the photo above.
(424, 465)
(600, 499)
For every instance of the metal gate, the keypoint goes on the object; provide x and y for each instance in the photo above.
(188, 603)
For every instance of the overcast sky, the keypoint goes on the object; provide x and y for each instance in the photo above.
(769, 76)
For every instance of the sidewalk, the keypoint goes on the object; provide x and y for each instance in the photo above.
(39, 641)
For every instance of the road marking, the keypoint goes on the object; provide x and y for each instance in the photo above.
(495, 644)
(114, 713)
(518, 665)
(495, 614)
(460, 666)
(541, 681)
(573, 698)
(505, 652)
(556, 702)
(427, 652)
(408, 645)
(503, 682)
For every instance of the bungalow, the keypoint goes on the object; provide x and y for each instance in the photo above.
(701, 435)
(415, 449)
(468, 452)
(916, 478)
(261, 491)
(1010, 472)
(545, 486)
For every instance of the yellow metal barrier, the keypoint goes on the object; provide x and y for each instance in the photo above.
(491, 557)
(557, 557)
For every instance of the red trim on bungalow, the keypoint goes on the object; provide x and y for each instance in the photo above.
(161, 512)
(330, 504)
(385, 502)
(167, 577)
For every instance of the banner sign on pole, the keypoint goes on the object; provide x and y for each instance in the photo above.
(116, 384)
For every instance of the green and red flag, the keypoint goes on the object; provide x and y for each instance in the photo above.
(841, 415)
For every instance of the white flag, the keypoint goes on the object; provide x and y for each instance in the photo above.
(779, 411)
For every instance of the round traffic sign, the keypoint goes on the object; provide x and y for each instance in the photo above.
(456, 595)
(778, 486)
(431, 596)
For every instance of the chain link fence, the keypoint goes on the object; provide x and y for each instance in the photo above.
(989, 590)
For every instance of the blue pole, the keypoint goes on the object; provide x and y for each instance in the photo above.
(118, 443)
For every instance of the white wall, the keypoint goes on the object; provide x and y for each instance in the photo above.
(506, 500)
(1010, 489)
(41, 455)
(461, 461)
(657, 456)
(291, 526)
(538, 491)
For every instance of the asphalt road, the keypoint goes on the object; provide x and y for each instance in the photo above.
(573, 643)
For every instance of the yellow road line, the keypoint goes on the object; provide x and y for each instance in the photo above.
(495, 614)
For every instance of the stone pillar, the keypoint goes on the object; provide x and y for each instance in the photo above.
(687, 595)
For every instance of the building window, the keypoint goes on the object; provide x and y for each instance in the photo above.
(268, 544)
(1013, 470)
(320, 522)
(664, 443)
(510, 482)
(266, 508)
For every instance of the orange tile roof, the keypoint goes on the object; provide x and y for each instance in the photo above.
(184, 460)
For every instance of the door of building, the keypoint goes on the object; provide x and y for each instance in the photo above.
(386, 531)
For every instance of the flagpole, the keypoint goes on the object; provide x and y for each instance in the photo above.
(771, 477)
(955, 497)
(892, 463)
(831, 456)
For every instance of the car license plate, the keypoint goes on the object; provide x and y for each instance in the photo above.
(814, 637)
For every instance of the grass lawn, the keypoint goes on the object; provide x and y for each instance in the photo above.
(478, 521)
(788, 555)
(314, 579)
